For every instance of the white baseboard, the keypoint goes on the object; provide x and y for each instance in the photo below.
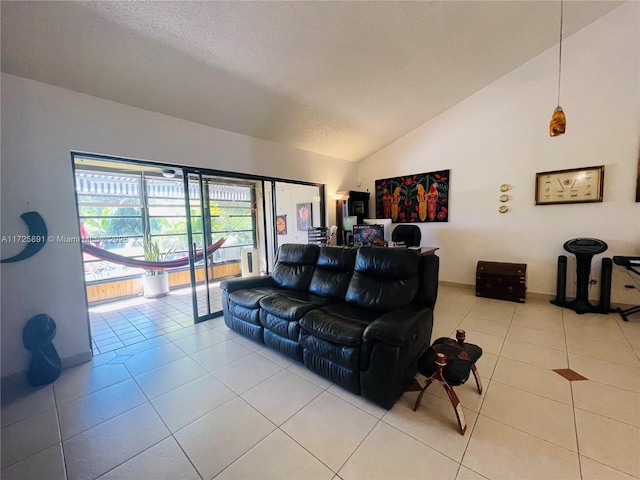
(532, 295)
(77, 359)
(19, 379)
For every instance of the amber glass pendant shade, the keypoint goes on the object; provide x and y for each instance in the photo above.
(558, 123)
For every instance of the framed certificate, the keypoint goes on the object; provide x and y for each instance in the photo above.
(576, 185)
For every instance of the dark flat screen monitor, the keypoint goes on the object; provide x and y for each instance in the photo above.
(347, 227)
(348, 223)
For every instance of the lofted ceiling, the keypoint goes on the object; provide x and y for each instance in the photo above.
(339, 78)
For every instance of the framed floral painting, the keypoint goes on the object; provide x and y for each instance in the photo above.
(414, 198)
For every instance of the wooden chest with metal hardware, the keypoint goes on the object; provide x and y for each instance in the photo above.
(503, 281)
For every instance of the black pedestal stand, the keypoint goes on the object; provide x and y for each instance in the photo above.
(584, 249)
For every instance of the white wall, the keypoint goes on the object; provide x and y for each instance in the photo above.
(500, 135)
(41, 125)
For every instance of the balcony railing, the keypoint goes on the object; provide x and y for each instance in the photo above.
(99, 292)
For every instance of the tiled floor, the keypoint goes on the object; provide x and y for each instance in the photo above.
(118, 324)
(202, 402)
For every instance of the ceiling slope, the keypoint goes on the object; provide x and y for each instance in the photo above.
(339, 78)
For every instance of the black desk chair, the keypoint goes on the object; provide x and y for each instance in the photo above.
(410, 235)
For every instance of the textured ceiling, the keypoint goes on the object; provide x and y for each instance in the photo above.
(339, 78)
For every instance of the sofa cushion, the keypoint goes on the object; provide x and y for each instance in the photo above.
(251, 315)
(286, 346)
(281, 327)
(250, 298)
(342, 324)
(291, 306)
(344, 376)
(333, 272)
(347, 357)
(250, 330)
(384, 278)
(294, 266)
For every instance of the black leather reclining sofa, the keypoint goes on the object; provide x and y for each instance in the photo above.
(359, 317)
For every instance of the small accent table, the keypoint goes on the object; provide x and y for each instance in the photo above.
(450, 362)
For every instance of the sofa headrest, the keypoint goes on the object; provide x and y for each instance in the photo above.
(337, 258)
(333, 272)
(294, 265)
(384, 278)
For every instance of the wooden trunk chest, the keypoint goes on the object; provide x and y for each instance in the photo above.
(504, 281)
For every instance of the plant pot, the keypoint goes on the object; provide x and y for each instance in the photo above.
(155, 286)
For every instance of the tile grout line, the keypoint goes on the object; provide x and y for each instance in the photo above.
(573, 408)
(573, 402)
(171, 434)
(486, 389)
(64, 456)
(637, 352)
(365, 437)
(279, 428)
(382, 420)
(302, 446)
(45, 448)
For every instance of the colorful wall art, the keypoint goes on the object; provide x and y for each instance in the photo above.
(281, 224)
(303, 216)
(414, 198)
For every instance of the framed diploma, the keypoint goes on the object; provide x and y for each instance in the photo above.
(576, 185)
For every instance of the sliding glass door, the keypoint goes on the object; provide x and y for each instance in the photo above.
(205, 225)
(221, 228)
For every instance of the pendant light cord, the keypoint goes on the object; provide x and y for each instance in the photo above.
(560, 53)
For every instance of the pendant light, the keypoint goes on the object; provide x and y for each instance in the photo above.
(558, 123)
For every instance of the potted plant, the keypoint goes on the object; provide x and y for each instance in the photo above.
(155, 283)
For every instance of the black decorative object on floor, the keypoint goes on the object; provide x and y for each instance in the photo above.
(584, 249)
(37, 336)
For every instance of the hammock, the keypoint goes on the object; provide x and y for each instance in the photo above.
(132, 262)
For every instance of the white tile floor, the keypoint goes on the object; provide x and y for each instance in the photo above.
(117, 324)
(202, 402)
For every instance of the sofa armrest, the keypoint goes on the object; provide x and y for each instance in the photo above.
(398, 327)
(248, 282)
(429, 269)
(390, 351)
